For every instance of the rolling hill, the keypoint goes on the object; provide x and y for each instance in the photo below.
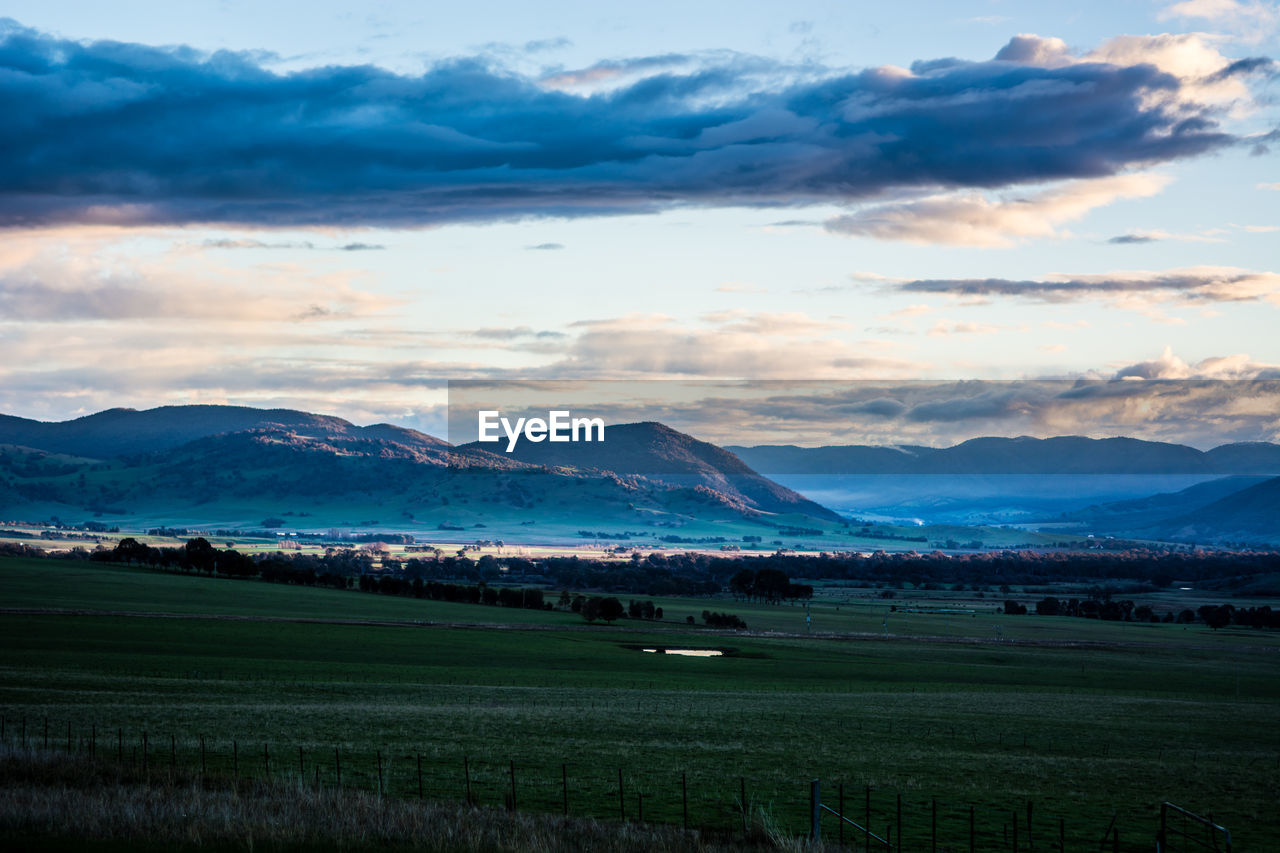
(238, 467)
(1249, 516)
(658, 453)
(121, 432)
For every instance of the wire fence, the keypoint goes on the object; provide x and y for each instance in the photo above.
(856, 816)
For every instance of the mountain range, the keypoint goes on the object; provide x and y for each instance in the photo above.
(1022, 455)
(238, 465)
(241, 467)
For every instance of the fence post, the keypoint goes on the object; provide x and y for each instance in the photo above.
(202, 756)
(899, 833)
(119, 741)
(971, 838)
(144, 753)
(466, 774)
(173, 753)
(68, 735)
(840, 807)
(1015, 832)
(46, 733)
(1160, 833)
(684, 798)
(933, 825)
(1062, 833)
(420, 775)
(1031, 844)
(337, 766)
(866, 826)
(378, 752)
(93, 742)
(266, 762)
(622, 805)
(302, 769)
(815, 810)
(742, 799)
(513, 786)
(564, 788)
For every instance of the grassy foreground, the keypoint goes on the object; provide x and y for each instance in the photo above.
(1086, 730)
(55, 802)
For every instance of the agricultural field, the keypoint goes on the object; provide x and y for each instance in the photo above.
(1091, 724)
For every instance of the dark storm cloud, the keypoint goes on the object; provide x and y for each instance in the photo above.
(110, 132)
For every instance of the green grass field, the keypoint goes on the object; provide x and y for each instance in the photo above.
(1087, 720)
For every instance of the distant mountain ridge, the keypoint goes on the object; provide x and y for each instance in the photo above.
(192, 457)
(658, 452)
(1022, 455)
(1236, 509)
(123, 432)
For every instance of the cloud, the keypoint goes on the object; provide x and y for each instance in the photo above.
(545, 247)
(517, 332)
(249, 243)
(1252, 20)
(910, 311)
(1193, 284)
(1169, 366)
(976, 219)
(608, 71)
(884, 407)
(1275, 186)
(127, 134)
(986, 405)
(731, 344)
(1138, 237)
(943, 328)
(540, 45)
(61, 276)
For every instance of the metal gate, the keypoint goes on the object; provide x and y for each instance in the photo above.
(1183, 830)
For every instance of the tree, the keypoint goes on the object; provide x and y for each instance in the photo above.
(742, 583)
(201, 555)
(611, 609)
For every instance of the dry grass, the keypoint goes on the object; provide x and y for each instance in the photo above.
(53, 801)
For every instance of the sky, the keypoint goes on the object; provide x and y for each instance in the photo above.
(339, 208)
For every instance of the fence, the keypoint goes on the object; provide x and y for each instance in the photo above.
(717, 806)
(1184, 830)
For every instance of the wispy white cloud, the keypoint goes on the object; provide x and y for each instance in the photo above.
(1250, 21)
(980, 219)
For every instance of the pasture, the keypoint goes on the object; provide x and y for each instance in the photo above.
(1087, 721)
